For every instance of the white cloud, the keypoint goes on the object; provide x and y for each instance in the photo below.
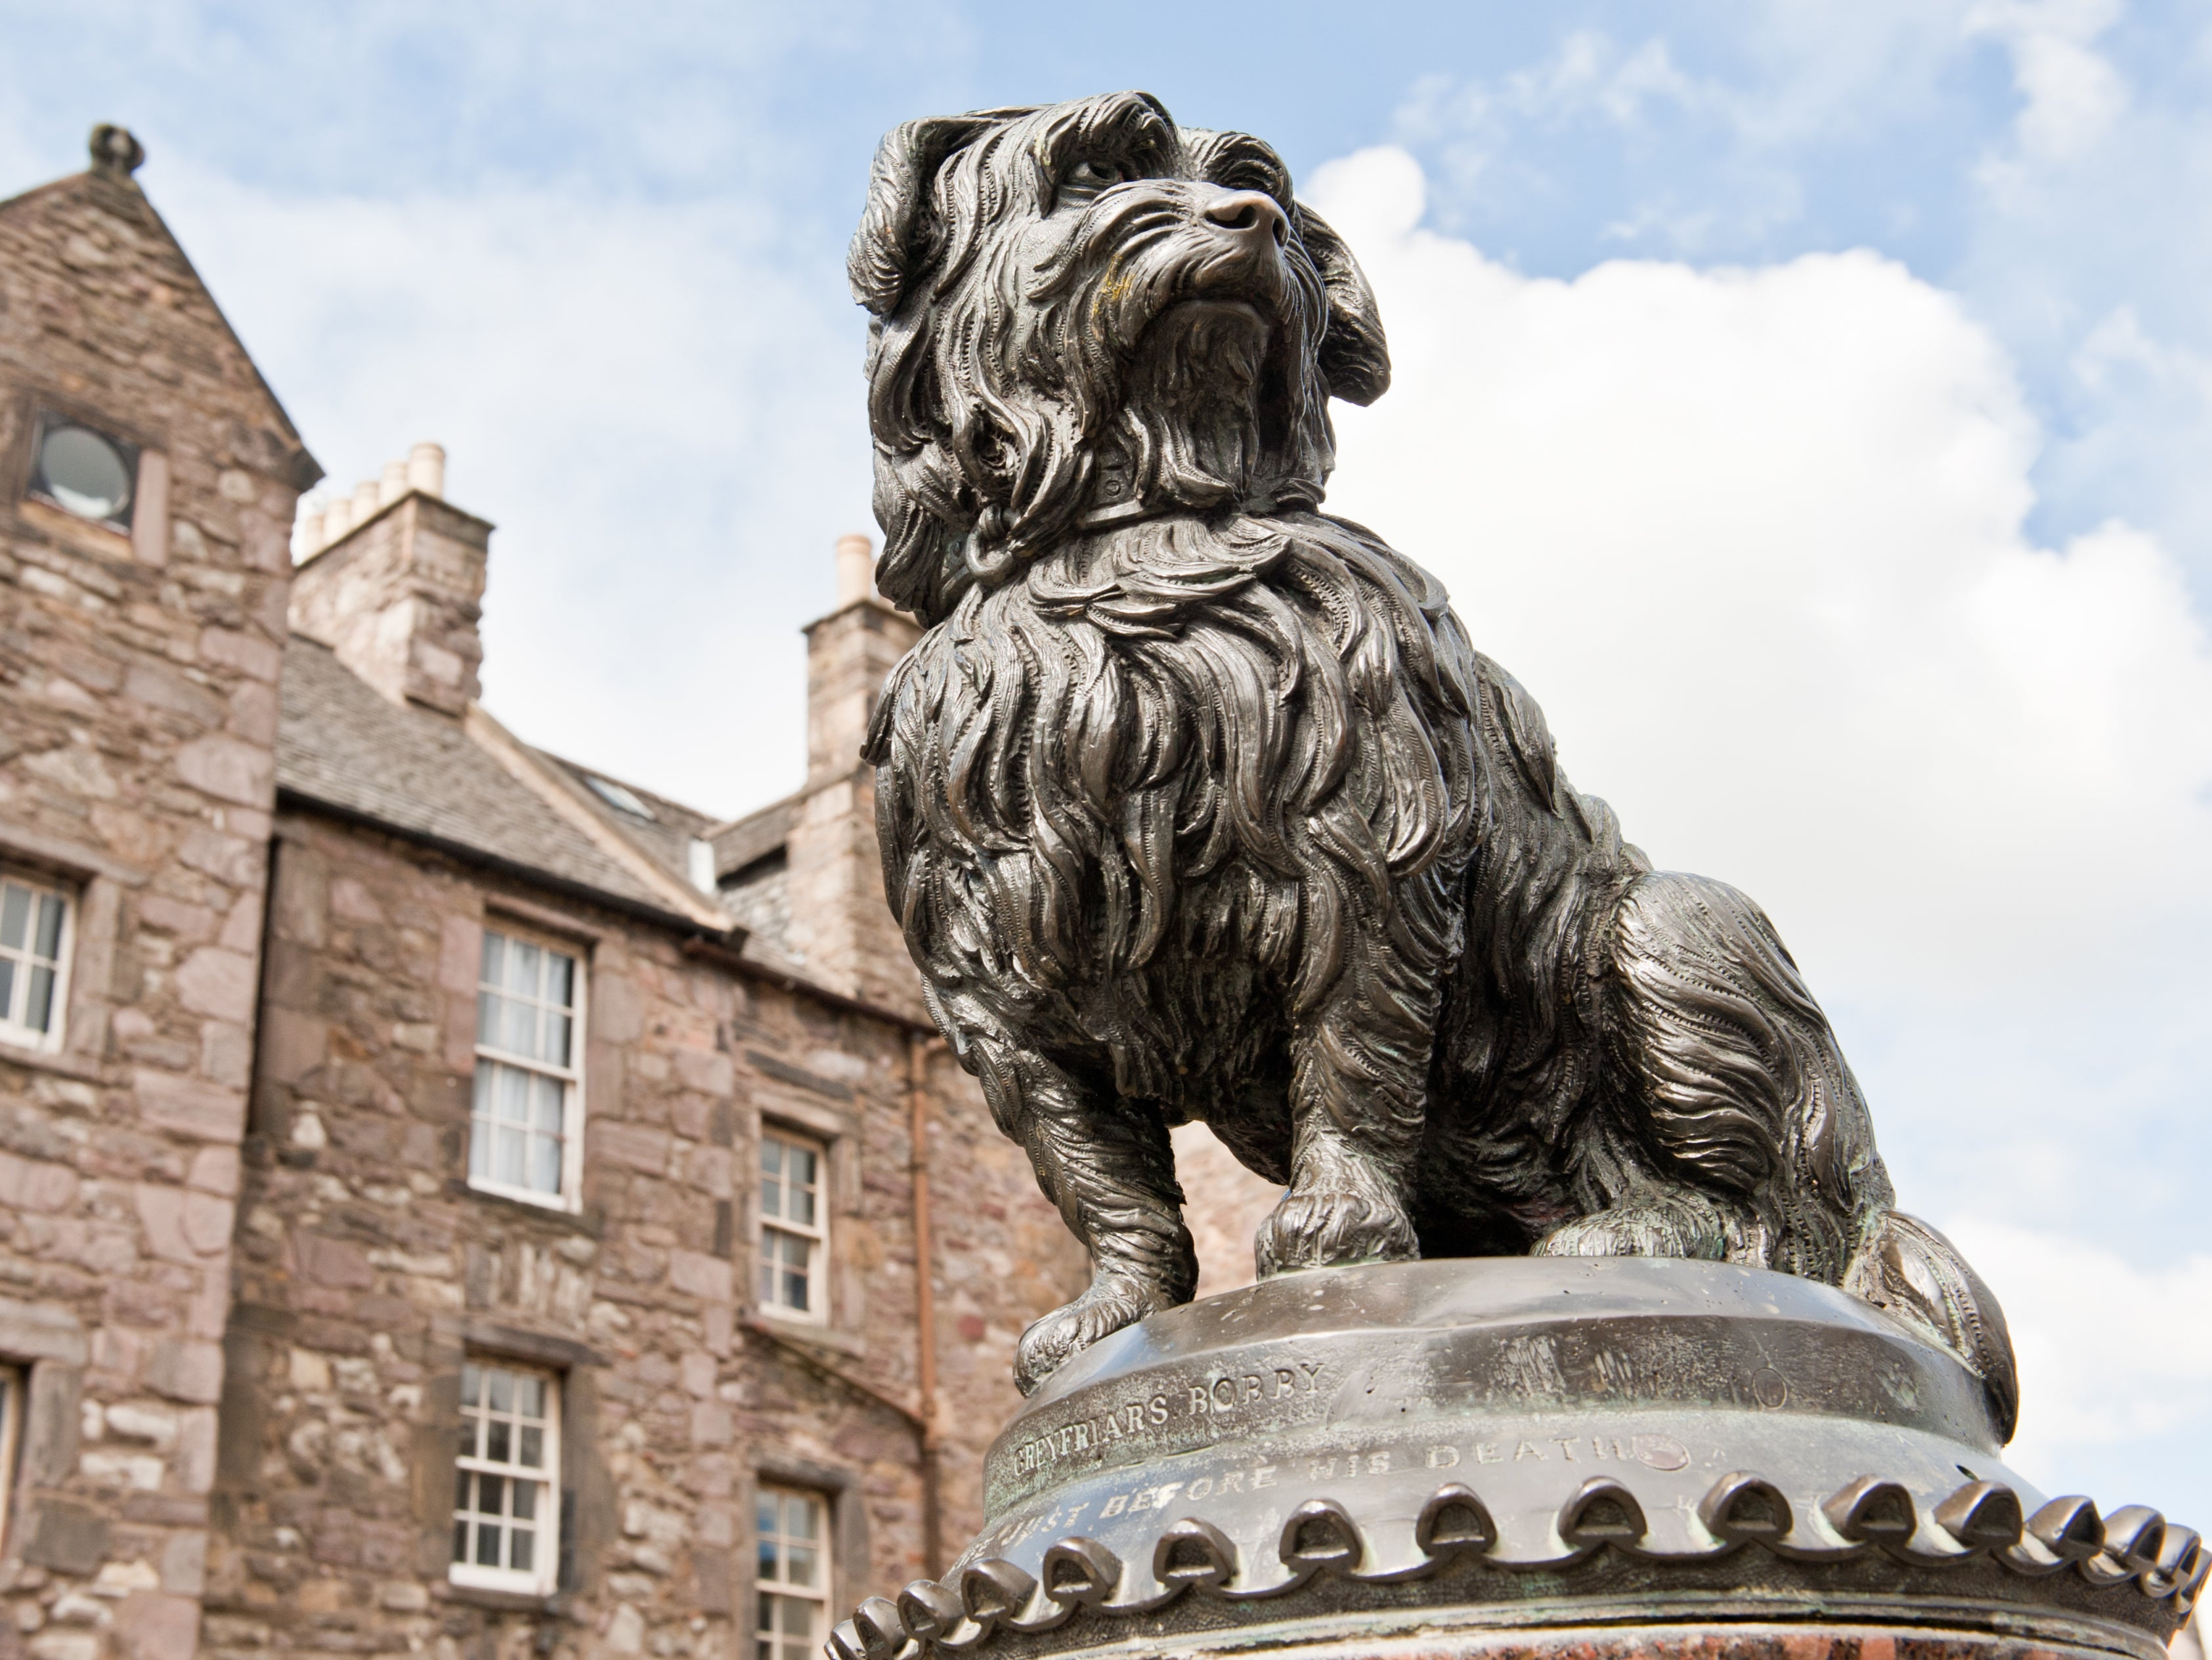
(1752, 537)
(2073, 95)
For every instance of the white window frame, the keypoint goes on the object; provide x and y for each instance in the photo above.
(543, 1577)
(24, 959)
(14, 1388)
(570, 1077)
(776, 1229)
(778, 1585)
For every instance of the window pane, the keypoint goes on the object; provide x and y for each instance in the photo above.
(7, 989)
(15, 914)
(557, 1039)
(495, 947)
(460, 1540)
(544, 1164)
(771, 1156)
(799, 1517)
(799, 1569)
(525, 1501)
(765, 1524)
(50, 927)
(460, 1489)
(525, 1541)
(471, 1386)
(799, 1202)
(561, 982)
(524, 961)
(550, 1093)
(530, 1395)
(39, 1013)
(514, 1096)
(507, 1163)
(502, 1382)
(520, 1033)
(491, 1494)
(488, 1008)
(487, 1544)
(533, 1448)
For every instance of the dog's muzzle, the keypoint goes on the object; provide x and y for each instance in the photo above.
(1250, 219)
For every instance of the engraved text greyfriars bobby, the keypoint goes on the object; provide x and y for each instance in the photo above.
(1196, 803)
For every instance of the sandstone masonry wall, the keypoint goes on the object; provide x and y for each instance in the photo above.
(137, 713)
(368, 1269)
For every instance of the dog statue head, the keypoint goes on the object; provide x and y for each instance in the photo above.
(1086, 314)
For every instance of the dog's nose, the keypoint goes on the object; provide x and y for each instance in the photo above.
(1249, 216)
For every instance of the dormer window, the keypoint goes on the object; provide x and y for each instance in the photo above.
(83, 471)
(622, 800)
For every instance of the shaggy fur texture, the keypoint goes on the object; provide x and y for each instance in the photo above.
(1196, 803)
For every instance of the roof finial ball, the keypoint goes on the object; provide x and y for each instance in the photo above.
(115, 150)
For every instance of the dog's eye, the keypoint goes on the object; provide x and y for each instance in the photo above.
(1091, 175)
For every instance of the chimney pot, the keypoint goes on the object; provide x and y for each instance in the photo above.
(392, 485)
(364, 500)
(425, 469)
(856, 559)
(337, 519)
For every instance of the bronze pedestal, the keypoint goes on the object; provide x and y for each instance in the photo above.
(1556, 1457)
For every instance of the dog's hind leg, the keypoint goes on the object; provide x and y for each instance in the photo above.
(1735, 1128)
(1108, 1166)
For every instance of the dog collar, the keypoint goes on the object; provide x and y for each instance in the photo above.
(1135, 512)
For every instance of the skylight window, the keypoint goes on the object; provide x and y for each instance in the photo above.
(622, 800)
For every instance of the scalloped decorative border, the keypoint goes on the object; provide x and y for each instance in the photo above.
(2132, 1547)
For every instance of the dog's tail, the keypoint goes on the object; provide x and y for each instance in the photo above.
(1909, 1271)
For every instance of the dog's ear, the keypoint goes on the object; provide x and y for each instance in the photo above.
(888, 244)
(1355, 359)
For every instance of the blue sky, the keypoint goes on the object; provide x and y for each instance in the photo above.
(1815, 412)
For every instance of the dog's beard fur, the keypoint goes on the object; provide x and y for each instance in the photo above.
(1191, 416)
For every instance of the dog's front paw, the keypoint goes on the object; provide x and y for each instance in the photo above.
(1049, 1342)
(1329, 1226)
(1633, 1230)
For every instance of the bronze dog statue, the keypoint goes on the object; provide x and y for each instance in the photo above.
(1196, 803)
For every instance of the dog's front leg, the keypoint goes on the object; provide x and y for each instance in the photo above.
(1359, 1071)
(1108, 1166)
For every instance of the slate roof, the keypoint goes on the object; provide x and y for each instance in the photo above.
(341, 745)
(743, 841)
(666, 838)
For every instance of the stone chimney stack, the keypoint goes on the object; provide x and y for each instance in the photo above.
(394, 580)
(841, 923)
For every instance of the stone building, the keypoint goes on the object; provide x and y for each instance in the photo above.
(452, 1201)
(148, 479)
